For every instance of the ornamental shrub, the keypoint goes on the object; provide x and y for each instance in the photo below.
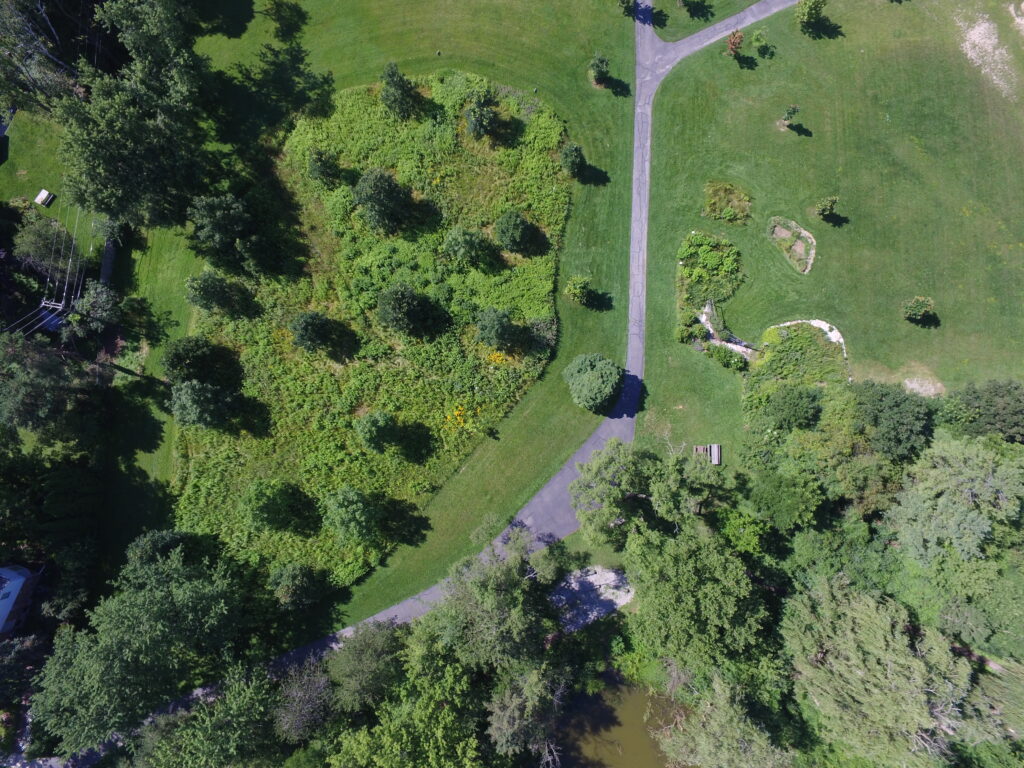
(382, 200)
(826, 207)
(403, 309)
(573, 161)
(494, 327)
(377, 430)
(919, 309)
(199, 404)
(481, 117)
(598, 69)
(727, 358)
(512, 231)
(465, 247)
(594, 381)
(312, 331)
(577, 290)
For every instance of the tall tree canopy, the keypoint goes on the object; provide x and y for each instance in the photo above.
(869, 679)
(170, 620)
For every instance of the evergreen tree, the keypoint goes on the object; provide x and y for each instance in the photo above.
(397, 92)
(382, 200)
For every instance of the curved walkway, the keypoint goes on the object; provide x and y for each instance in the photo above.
(549, 515)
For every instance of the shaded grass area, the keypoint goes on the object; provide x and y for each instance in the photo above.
(518, 44)
(152, 272)
(922, 151)
(30, 163)
(681, 18)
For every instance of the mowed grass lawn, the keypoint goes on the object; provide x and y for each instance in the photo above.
(676, 19)
(32, 164)
(540, 48)
(923, 151)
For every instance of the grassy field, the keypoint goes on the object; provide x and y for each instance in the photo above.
(922, 150)
(519, 44)
(31, 165)
(677, 19)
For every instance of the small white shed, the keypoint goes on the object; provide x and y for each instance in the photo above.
(44, 198)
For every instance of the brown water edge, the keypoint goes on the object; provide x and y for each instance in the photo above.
(612, 729)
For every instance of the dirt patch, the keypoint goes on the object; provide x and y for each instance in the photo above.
(980, 44)
(925, 385)
(796, 243)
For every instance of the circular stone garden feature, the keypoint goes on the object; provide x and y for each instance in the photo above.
(594, 381)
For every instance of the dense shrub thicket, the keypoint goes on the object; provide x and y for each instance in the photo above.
(403, 208)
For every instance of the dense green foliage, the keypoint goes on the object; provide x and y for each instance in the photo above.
(172, 618)
(594, 381)
(404, 310)
(709, 270)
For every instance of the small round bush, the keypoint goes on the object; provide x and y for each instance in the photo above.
(198, 404)
(919, 309)
(377, 430)
(727, 358)
(382, 200)
(312, 331)
(494, 327)
(826, 207)
(209, 291)
(322, 168)
(594, 381)
(403, 309)
(512, 231)
(598, 69)
(573, 161)
(577, 290)
(481, 118)
(465, 247)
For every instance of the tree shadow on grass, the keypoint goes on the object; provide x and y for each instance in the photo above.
(800, 130)
(823, 29)
(699, 10)
(402, 522)
(249, 415)
(743, 61)
(343, 343)
(288, 17)
(930, 321)
(600, 301)
(415, 442)
(592, 176)
(265, 95)
(617, 86)
(836, 220)
(139, 321)
(508, 132)
(5, 148)
(226, 17)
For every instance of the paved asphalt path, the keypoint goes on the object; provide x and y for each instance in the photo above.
(549, 515)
